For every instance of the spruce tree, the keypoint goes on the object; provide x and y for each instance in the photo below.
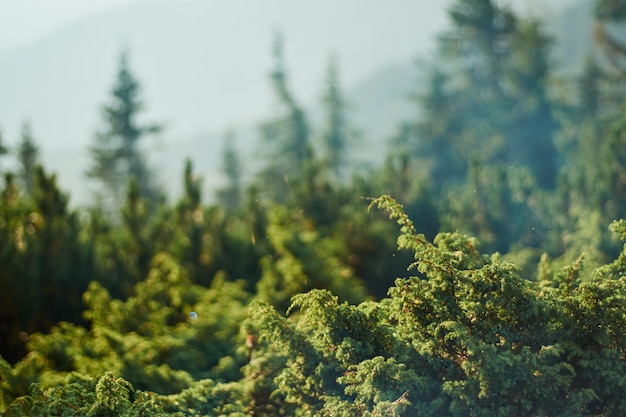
(28, 158)
(531, 123)
(463, 108)
(189, 229)
(607, 92)
(4, 149)
(116, 155)
(437, 134)
(487, 96)
(609, 12)
(229, 195)
(335, 134)
(587, 123)
(286, 136)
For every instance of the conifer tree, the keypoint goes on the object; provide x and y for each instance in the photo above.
(28, 158)
(465, 335)
(229, 195)
(192, 198)
(487, 96)
(4, 149)
(601, 143)
(286, 136)
(589, 85)
(531, 123)
(611, 12)
(116, 156)
(188, 246)
(587, 123)
(335, 134)
(437, 145)
(45, 261)
(464, 105)
(139, 243)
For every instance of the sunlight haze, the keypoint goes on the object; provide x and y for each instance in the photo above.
(203, 66)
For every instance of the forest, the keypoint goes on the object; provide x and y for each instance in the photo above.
(479, 270)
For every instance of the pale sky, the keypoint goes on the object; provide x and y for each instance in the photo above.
(25, 21)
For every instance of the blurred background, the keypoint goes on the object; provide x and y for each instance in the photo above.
(203, 69)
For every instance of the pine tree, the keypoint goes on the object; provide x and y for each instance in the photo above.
(286, 136)
(335, 134)
(229, 195)
(115, 152)
(45, 261)
(28, 158)
(589, 86)
(608, 93)
(611, 12)
(487, 96)
(587, 122)
(4, 149)
(190, 225)
(437, 134)
(531, 122)
(463, 108)
(139, 245)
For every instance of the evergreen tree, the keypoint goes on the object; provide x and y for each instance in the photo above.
(487, 96)
(465, 335)
(190, 222)
(4, 149)
(229, 196)
(464, 106)
(589, 86)
(437, 134)
(139, 245)
(480, 43)
(587, 123)
(613, 151)
(609, 12)
(116, 155)
(45, 262)
(335, 134)
(192, 198)
(286, 136)
(600, 140)
(531, 122)
(28, 158)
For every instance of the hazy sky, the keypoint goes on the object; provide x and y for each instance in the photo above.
(25, 24)
(25, 21)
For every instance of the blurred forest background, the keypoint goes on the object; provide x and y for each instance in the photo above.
(512, 129)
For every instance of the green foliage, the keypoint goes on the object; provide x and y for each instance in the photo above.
(468, 335)
(45, 259)
(104, 396)
(610, 10)
(487, 96)
(162, 338)
(283, 299)
(502, 206)
(299, 260)
(4, 149)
